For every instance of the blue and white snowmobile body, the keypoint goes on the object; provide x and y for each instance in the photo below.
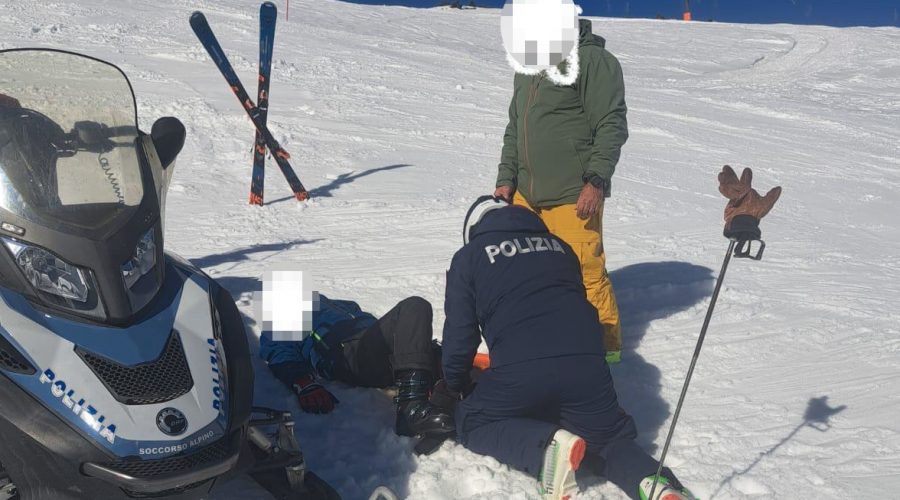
(124, 370)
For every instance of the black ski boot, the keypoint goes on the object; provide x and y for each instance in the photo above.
(415, 415)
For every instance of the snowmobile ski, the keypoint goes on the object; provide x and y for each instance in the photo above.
(268, 14)
(206, 36)
(280, 467)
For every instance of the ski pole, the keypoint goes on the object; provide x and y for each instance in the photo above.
(687, 380)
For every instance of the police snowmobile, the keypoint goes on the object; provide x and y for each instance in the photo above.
(124, 370)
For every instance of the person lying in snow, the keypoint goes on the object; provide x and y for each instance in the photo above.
(548, 397)
(354, 347)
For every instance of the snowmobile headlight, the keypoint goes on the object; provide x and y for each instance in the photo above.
(48, 273)
(143, 260)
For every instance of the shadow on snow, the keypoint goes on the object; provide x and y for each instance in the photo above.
(817, 416)
(326, 190)
(239, 285)
(647, 292)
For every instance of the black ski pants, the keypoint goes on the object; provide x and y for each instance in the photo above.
(399, 340)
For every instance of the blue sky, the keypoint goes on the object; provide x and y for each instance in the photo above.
(827, 12)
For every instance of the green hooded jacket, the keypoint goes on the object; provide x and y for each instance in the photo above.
(558, 135)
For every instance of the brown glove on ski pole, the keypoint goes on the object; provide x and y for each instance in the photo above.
(745, 206)
(742, 214)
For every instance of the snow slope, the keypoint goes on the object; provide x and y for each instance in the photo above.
(395, 116)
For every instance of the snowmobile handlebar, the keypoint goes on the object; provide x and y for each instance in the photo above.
(31, 126)
(93, 137)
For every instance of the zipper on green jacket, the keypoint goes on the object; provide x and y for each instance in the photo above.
(532, 98)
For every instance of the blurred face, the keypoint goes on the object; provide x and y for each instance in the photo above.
(539, 34)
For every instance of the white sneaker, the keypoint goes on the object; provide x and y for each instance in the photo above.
(561, 459)
(664, 490)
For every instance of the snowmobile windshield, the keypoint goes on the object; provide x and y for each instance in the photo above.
(68, 141)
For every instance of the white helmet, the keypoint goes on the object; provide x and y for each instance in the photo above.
(476, 212)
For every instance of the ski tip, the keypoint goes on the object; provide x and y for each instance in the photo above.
(302, 195)
(198, 19)
(256, 199)
(268, 9)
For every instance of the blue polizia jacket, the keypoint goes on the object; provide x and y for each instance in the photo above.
(334, 322)
(521, 287)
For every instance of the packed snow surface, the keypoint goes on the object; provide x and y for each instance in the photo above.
(394, 118)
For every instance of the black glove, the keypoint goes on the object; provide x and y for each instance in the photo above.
(745, 206)
(445, 397)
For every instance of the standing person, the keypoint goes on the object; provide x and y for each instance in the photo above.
(566, 129)
(354, 347)
(548, 397)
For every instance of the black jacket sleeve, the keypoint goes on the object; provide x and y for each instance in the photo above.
(462, 334)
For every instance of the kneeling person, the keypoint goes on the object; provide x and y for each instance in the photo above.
(354, 347)
(548, 397)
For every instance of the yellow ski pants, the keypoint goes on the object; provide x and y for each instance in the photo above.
(586, 239)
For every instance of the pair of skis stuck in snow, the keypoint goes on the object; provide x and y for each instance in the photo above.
(257, 112)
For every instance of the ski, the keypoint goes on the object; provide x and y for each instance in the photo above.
(268, 14)
(205, 34)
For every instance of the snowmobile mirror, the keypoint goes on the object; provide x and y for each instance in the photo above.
(168, 136)
(745, 249)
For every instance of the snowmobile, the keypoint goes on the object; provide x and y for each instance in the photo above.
(124, 370)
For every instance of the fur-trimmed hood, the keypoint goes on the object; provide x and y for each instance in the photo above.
(566, 73)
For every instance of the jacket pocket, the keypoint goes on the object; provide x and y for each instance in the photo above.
(582, 152)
